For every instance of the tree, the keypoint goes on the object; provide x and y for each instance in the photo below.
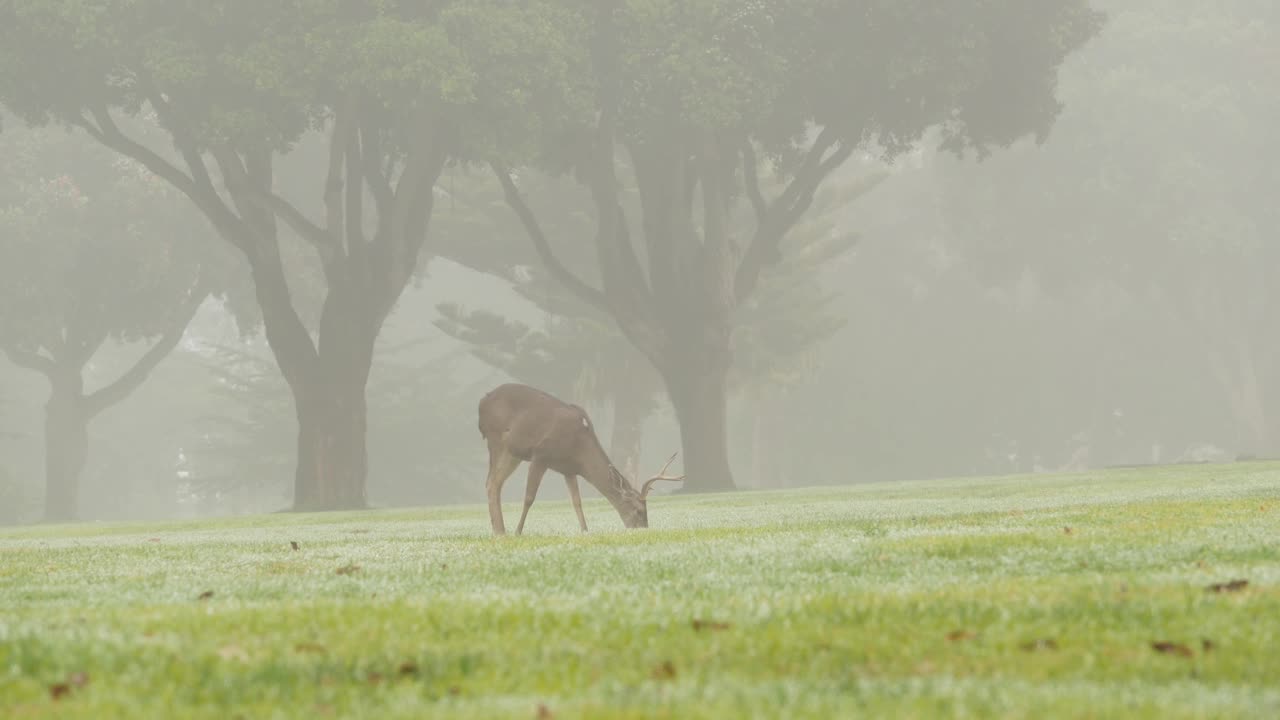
(401, 89)
(575, 352)
(94, 251)
(1177, 217)
(688, 97)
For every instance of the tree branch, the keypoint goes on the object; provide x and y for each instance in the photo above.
(245, 193)
(379, 182)
(751, 179)
(592, 296)
(783, 213)
(132, 378)
(31, 360)
(357, 249)
(307, 230)
(182, 139)
(412, 202)
(230, 226)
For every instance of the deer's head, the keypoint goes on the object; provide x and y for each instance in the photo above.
(634, 507)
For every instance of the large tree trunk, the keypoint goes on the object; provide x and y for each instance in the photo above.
(698, 390)
(333, 459)
(66, 446)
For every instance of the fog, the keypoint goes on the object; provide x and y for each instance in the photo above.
(1036, 257)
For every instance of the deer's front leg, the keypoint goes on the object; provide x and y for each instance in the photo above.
(572, 482)
(536, 471)
(501, 466)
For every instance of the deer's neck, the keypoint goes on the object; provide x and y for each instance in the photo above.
(614, 486)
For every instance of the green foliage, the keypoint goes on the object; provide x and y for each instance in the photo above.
(1119, 198)
(93, 247)
(982, 597)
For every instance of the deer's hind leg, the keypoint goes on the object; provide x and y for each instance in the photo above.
(536, 471)
(501, 465)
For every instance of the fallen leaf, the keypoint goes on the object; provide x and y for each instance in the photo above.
(1040, 644)
(408, 667)
(544, 713)
(1232, 586)
(58, 690)
(955, 635)
(205, 595)
(710, 625)
(293, 544)
(1206, 644)
(348, 569)
(1171, 648)
(665, 671)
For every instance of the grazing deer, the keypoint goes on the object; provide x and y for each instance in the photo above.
(521, 423)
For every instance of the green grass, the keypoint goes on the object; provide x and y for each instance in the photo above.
(889, 600)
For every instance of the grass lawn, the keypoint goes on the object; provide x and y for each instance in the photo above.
(1006, 597)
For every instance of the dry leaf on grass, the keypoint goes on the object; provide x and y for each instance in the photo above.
(57, 691)
(1230, 586)
(1171, 648)
(665, 671)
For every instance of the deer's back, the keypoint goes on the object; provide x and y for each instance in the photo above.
(530, 422)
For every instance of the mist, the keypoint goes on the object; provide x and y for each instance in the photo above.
(1055, 270)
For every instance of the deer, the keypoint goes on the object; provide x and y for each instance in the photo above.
(524, 424)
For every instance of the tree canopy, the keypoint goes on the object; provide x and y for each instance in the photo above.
(400, 89)
(692, 103)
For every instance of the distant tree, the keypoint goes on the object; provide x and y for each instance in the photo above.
(1177, 217)
(694, 100)
(93, 249)
(400, 90)
(422, 452)
(575, 352)
(578, 352)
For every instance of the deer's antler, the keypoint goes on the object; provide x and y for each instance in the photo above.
(662, 475)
